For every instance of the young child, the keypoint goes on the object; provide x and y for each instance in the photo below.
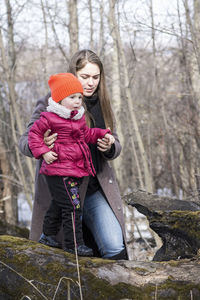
(68, 162)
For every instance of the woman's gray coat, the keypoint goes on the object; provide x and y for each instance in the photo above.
(42, 195)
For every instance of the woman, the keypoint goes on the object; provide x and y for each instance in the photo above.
(102, 206)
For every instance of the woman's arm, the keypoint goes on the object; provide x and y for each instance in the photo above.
(23, 141)
(36, 136)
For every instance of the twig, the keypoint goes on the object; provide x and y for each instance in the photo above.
(156, 292)
(68, 290)
(68, 287)
(5, 198)
(13, 181)
(77, 264)
(140, 234)
(28, 281)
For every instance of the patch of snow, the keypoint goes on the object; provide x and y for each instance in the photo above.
(24, 211)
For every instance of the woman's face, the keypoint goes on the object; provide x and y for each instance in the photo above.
(89, 77)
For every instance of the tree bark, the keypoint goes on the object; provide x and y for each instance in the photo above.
(129, 102)
(116, 92)
(101, 48)
(7, 208)
(191, 81)
(40, 272)
(44, 50)
(73, 26)
(175, 221)
(9, 73)
(91, 25)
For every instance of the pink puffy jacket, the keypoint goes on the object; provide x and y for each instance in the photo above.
(74, 158)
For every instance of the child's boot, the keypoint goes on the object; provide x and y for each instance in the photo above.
(82, 250)
(49, 240)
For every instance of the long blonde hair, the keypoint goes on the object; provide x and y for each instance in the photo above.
(79, 61)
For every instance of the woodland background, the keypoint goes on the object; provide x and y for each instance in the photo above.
(151, 54)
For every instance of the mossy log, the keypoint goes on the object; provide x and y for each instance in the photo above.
(177, 222)
(9, 229)
(34, 270)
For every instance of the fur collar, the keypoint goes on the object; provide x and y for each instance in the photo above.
(62, 111)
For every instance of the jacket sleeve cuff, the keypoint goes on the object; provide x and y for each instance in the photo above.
(110, 153)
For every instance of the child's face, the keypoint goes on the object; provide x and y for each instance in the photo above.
(73, 101)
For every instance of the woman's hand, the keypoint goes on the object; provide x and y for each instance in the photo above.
(105, 143)
(49, 157)
(50, 139)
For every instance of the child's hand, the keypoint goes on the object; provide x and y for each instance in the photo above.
(49, 157)
(110, 139)
(105, 143)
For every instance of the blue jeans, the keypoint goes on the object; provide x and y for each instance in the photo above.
(104, 226)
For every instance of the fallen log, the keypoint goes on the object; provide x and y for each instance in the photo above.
(34, 270)
(14, 230)
(177, 222)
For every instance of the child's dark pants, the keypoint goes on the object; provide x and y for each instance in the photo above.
(65, 194)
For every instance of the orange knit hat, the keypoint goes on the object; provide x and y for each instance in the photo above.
(63, 85)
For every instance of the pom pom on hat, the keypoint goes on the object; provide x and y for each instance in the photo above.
(63, 85)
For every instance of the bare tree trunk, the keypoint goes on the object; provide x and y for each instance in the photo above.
(101, 48)
(140, 178)
(10, 206)
(196, 5)
(193, 69)
(91, 25)
(171, 153)
(129, 102)
(196, 86)
(116, 92)
(8, 211)
(44, 50)
(156, 90)
(194, 28)
(142, 152)
(73, 26)
(10, 80)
